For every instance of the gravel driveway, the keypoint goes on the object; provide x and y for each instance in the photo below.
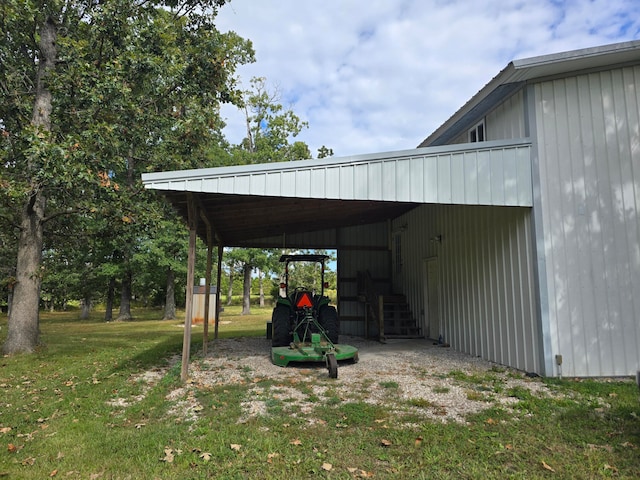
(406, 376)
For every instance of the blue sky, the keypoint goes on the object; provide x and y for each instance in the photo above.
(381, 75)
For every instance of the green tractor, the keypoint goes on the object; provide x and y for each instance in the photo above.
(305, 327)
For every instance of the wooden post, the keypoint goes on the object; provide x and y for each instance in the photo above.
(217, 322)
(205, 337)
(191, 267)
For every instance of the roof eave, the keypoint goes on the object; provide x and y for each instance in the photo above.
(519, 72)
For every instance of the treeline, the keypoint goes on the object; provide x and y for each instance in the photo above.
(92, 95)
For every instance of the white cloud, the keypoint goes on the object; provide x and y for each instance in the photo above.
(376, 75)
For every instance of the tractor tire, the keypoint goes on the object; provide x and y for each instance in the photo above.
(328, 319)
(281, 327)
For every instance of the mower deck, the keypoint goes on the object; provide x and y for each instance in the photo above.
(318, 350)
(305, 352)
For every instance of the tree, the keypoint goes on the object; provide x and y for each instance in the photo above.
(324, 152)
(91, 94)
(270, 129)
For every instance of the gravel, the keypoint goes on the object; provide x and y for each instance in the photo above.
(407, 377)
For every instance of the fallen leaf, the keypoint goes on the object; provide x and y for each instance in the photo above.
(54, 473)
(418, 441)
(236, 447)
(327, 467)
(140, 425)
(508, 446)
(206, 456)
(547, 467)
(28, 461)
(610, 467)
(628, 445)
(386, 443)
(271, 456)
(295, 442)
(11, 448)
(168, 455)
(5, 429)
(491, 421)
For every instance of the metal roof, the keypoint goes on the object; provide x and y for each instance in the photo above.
(246, 202)
(520, 72)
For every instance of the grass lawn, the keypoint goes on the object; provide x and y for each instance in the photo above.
(76, 409)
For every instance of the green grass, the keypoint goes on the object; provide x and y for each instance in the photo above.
(59, 418)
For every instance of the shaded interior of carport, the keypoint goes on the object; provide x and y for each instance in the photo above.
(270, 205)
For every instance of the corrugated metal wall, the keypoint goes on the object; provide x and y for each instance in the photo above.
(486, 272)
(590, 193)
(495, 173)
(505, 122)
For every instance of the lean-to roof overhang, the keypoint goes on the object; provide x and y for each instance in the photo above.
(520, 72)
(243, 203)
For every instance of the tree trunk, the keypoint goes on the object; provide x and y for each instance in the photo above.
(170, 298)
(23, 326)
(261, 282)
(85, 307)
(108, 313)
(246, 290)
(9, 299)
(230, 289)
(125, 298)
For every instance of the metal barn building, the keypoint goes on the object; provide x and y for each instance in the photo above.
(512, 231)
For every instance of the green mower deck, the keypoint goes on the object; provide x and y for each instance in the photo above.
(314, 351)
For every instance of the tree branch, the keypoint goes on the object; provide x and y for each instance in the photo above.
(71, 211)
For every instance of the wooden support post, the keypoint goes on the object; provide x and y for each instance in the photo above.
(191, 264)
(219, 279)
(205, 337)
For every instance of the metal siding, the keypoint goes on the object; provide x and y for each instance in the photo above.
(434, 175)
(484, 178)
(415, 182)
(375, 181)
(589, 150)
(361, 175)
(346, 182)
(471, 178)
(431, 180)
(506, 121)
(486, 272)
(302, 184)
(272, 183)
(332, 182)
(403, 180)
(457, 178)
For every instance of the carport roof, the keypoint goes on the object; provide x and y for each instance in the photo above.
(248, 202)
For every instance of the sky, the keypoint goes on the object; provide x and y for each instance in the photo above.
(375, 76)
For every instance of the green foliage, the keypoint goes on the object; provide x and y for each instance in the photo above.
(136, 87)
(270, 129)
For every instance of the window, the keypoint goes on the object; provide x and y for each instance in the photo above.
(476, 134)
